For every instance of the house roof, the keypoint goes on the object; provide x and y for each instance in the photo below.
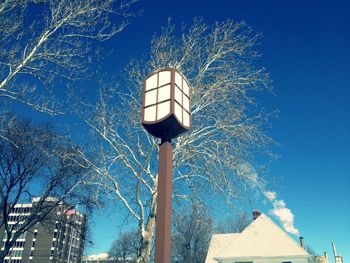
(217, 243)
(262, 238)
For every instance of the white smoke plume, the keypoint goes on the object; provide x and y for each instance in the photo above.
(283, 213)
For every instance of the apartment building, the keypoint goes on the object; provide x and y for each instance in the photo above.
(59, 239)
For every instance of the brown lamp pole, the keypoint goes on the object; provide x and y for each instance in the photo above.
(165, 114)
(163, 217)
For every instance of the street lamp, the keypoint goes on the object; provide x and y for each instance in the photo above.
(166, 114)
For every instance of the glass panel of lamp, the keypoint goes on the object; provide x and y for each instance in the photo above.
(163, 109)
(186, 120)
(150, 97)
(178, 111)
(164, 77)
(164, 93)
(151, 82)
(185, 88)
(150, 113)
(178, 95)
(178, 80)
(186, 103)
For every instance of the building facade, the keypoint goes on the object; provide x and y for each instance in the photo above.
(59, 239)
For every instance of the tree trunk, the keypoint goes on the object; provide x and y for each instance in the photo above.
(4, 253)
(146, 244)
(144, 255)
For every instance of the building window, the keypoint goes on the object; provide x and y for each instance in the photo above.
(15, 253)
(18, 244)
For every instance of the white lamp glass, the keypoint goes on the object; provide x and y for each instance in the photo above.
(185, 88)
(164, 77)
(164, 93)
(151, 82)
(186, 120)
(150, 97)
(178, 95)
(178, 111)
(163, 109)
(178, 80)
(150, 113)
(186, 103)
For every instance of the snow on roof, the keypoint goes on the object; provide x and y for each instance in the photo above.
(262, 238)
(219, 242)
(100, 256)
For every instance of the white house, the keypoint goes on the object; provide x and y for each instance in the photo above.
(260, 242)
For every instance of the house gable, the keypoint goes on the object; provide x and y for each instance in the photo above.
(218, 243)
(262, 238)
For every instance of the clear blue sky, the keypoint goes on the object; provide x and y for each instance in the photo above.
(306, 48)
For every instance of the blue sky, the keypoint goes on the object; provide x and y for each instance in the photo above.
(306, 50)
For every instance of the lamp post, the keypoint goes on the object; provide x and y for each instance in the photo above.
(165, 114)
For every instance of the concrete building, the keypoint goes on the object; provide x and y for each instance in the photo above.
(260, 242)
(59, 239)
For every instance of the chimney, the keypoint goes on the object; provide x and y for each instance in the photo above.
(256, 214)
(325, 254)
(302, 242)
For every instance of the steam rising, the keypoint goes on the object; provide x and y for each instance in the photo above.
(283, 213)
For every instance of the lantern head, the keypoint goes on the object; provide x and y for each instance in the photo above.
(166, 111)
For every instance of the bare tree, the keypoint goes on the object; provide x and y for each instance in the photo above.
(43, 39)
(233, 225)
(314, 256)
(36, 162)
(192, 231)
(125, 248)
(217, 155)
